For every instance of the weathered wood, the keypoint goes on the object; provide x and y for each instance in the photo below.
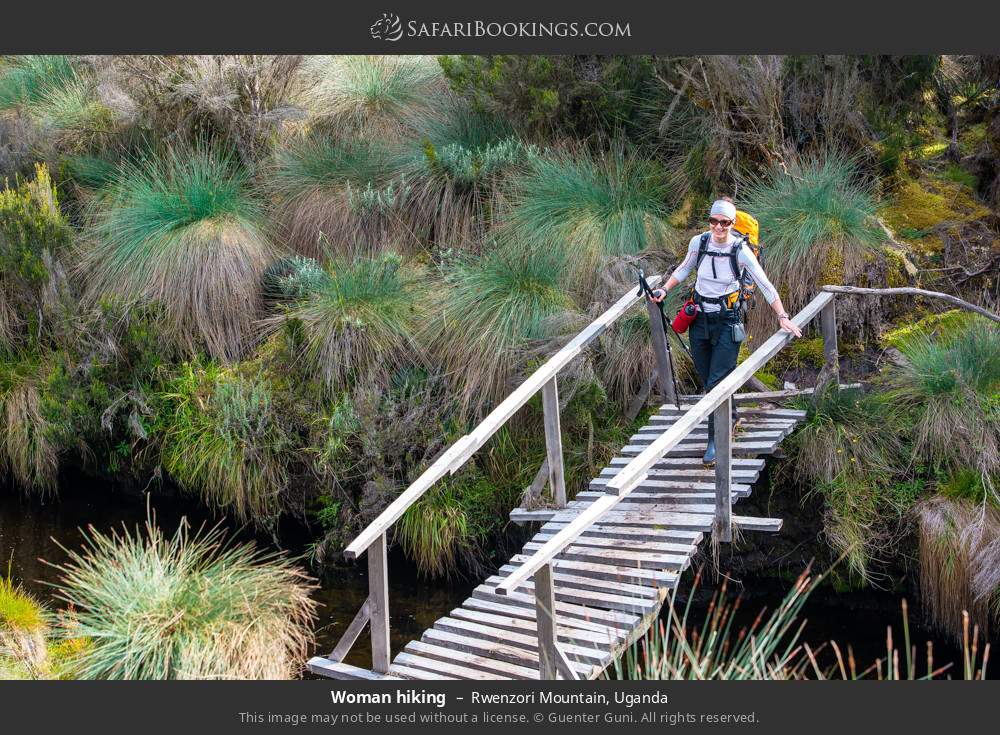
(575, 636)
(608, 572)
(749, 523)
(528, 614)
(722, 527)
(854, 290)
(553, 442)
(831, 357)
(697, 449)
(618, 557)
(460, 664)
(645, 437)
(563, 580)
(351, 633)
(490, 650)
(769, 395)
(378, 603)
(600, 542)
(630, 534)
(545, 605)
(339, 670)
(611, 618)
(587, 653)
(659, 342)
(408, 672)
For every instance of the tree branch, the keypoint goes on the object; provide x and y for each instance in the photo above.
(915, 292)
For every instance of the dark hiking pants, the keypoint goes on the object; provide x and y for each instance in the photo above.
(714, 351)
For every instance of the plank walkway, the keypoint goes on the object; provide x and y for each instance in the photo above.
(611, 582)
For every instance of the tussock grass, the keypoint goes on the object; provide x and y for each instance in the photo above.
(24, 622)
(457, 169)
(959, 544)
(817, 222)
(339, 197)
(25, 80)
(590, 209)
(184, 230)
(194, 606)
(224, 438)
(848, 450)
(494, 308)
(373, 96)
(27, 452)
(359, 320)
(949, 390)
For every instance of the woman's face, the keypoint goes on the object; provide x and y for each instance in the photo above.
(720, 226)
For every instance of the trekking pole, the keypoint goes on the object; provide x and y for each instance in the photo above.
(644, 289)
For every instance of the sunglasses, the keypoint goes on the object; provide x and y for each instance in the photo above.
(720, 222)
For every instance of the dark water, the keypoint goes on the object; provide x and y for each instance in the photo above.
(30, 529)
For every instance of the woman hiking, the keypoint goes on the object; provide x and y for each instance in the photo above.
(717, 330)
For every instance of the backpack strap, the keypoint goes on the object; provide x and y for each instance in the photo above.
(702, 251)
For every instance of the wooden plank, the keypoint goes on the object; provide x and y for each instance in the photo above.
(606, 600)
(696, 450)
(378, 604)
(612, 618)
(828, 328)
(616, 543)
(649, 493)
(702, 474)
(491, 651)
(410, 673)
(545, 605)
(747, 463)
(646, 437)
(774, 395)
(576, 636)
(581, 582)
(553, 442)
(683, 521)
(722, 528)
(528, 614)
(588, 653)
(628, 575)
(748, 411)
(675, 498)
(454, 664)
(351, 633)
(535, 515)
(339, 670)
(749, 523)
(631, 534)
(619, 557)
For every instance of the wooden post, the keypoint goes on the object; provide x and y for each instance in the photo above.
(545, 611)
(831, 357)
(722, 526)
(378, 604)
(660, 352)
(553, 442)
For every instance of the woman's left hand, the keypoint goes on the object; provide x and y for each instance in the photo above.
(789, 326)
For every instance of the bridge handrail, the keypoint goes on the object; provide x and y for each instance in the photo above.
(636, 471)
(453, 458)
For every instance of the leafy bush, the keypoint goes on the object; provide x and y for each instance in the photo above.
(183, 230)
(590, 209)
(358, 321)
(380, 96)
(186, 607)
(224, 437)
(493, 308)
(817, 222)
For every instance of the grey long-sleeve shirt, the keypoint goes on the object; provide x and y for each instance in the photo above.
(723, 281)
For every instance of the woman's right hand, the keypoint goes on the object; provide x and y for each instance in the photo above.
(658, 295)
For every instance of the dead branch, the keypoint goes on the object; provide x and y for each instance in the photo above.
(854, 290)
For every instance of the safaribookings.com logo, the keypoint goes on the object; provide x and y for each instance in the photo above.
(390, 28)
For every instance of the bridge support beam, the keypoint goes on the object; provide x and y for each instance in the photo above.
(722, 526)
(664, 370)
(378, 604)
(831, 357)
(553, 442)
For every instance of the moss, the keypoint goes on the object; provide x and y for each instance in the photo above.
(833, 267)
(897, 274)
(919, 207)
(932, 325)
(19, 611)
(971, 139)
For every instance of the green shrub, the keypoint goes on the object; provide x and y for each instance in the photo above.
(27, 451)
(224, 438)
(358, 322)
(494, 307)
(591, 209)
(24, 623)
(817, 222)
(185, 231)
(186, 607)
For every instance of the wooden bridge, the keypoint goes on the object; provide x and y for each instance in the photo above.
(594, 577)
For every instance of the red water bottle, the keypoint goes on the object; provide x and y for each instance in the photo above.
(685, 316)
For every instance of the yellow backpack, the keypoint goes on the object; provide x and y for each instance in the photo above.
(747, 229)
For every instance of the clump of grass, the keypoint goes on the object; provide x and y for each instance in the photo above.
(373, 96)
(440, 533)
(848, 450)
(819, 212)
(959, 562)
(24, 623)
(948, 390)
(27, 452)
(28, 79)
(456, 170)
(184, 230)
(358, 321)
(340, 196)
(591, 209)
(224, 438)
(493, 308)
(187, 607)
(933, 325)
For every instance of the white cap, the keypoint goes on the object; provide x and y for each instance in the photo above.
(726, 209)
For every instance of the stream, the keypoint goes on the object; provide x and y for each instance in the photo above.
(30, 530)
